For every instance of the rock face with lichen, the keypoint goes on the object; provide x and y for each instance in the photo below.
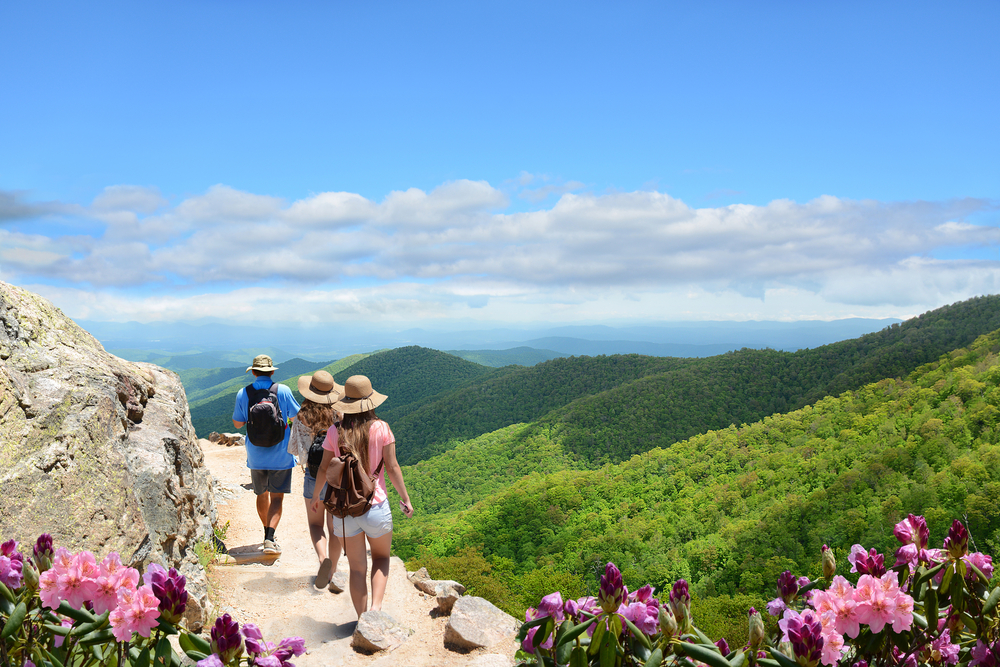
(96, 450)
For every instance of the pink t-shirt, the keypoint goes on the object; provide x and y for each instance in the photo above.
(379, 435)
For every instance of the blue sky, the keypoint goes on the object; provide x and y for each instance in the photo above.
(411, 163)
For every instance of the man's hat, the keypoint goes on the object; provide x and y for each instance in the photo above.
(262, 363)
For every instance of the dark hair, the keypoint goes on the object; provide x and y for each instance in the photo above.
(353, 435)
(317, 417)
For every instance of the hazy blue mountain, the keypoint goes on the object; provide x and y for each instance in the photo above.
(520, 356)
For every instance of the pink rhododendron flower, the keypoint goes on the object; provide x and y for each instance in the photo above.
(66, 623)
(76, 586)
(875, 608)
(982, 561)
(48, 588)
(645, 617)
(839, 603)
(941, 651)
(138, 611)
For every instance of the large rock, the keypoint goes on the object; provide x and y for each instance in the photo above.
(96, 450)
(378, 631)
(477, 623)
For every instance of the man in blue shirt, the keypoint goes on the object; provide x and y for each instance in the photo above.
(270, 467)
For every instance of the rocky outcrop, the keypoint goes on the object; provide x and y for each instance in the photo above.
(96, 450)
(226, 439)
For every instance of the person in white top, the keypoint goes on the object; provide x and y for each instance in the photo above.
(316, 417)
(371, 440)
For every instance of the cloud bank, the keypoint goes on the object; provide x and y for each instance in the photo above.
(461, 251)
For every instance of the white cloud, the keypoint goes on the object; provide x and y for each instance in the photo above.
(456, 248)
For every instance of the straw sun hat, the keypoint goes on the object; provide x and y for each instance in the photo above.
(359, 396)
(320, 388)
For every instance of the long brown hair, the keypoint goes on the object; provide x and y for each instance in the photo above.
(317, 417)
(352, 435)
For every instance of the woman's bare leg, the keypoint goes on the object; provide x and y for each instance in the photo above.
(380, 547)
(357, 558)
(316, 533)
(336, 543)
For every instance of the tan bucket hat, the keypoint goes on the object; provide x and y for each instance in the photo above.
(261, 362)
(320, 388)
(359, 396)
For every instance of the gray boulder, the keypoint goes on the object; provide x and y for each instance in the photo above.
(378, 631)
(477, 623)
(96, 450)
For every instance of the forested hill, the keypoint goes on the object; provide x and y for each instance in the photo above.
(730, 509)
(409, 376)
(609, 408)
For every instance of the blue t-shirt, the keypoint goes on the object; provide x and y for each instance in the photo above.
(268, 458)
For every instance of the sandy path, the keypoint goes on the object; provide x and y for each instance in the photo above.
(279, 596)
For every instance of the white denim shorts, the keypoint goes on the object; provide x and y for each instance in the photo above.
(376, 522)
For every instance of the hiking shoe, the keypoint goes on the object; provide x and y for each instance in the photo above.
(323, 576)
(271, 547)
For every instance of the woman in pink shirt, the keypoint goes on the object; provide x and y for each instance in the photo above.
(370, 439)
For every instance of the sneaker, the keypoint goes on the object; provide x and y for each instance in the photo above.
(323, 576)
(271, 547)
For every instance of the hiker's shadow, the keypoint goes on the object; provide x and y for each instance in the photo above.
(247, 486)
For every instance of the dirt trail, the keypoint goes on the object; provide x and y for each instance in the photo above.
(280, 598)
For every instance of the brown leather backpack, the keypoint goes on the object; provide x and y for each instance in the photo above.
(349, 488)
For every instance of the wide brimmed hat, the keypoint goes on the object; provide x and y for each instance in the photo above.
(359, 396)
(261, 362)
(320, 388)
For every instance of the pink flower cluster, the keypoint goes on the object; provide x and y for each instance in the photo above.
(11, 564)
(843, 609)
(109, 586)
(640, 607)
(913, 535)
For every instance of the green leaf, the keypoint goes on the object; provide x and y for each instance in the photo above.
(523, 632)
(81, 615)
(6, 593)
(609, 653)
(141, 660)
(199, 643)
(98, 637)
(739, 659)
(163, 653)
(702, 637)
(578, 658)
(782, 659)
(992, 601)
(14, 621)
(655, 658)
(595, 641)
(702, 653)
(931, 608)
(572, 632)
(643, 639)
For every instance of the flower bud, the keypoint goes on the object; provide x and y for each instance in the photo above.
(668, 624)
(613, 591)
(43, 552)
(957, 541)
(829, 563)
(680, 604)
(757, 635)
(723, 646)
(30, 575)
(227, 642)
(788, 586)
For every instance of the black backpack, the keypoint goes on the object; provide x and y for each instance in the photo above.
(315, 456)
(265, 424)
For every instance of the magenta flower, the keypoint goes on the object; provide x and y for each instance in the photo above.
(985, 654)
(776, 607)
(227, 642)
(43, 551)
(11, 565)
(552, 605)
(866, 562)
(680, 603)
(788, 586)
(805, 632)
(645, 617)
(982, 561)
(901, 659)
(613, 590)
(268, 654)
(912, 530)
(169, 588)
(723, 646)
(210, 661)
(941, 651)
(957, 541)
